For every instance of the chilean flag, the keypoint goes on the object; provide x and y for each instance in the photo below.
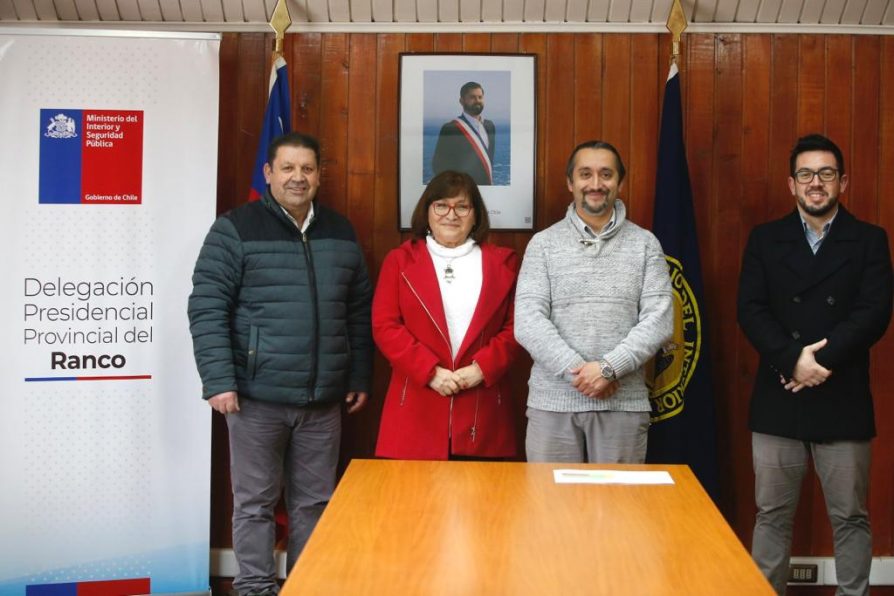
(277, 121)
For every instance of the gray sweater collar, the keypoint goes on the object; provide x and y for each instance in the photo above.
(620, 216)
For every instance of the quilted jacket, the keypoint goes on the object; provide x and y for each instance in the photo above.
(278, 315)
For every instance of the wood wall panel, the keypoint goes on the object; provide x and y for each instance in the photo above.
(882, 488)
(420, 42)
(588, 87)
(863, 166)
(783, 123)
(449, 42)
(476, 43)
(504, 43)
(725, 237)
(334, 116)
(811, 82)
(839, 91)
(642, 158)
(746, 98)
(557, 129)
(535, 43)
(360, 175)
(386, 126)
(735, 446)
(304, 56)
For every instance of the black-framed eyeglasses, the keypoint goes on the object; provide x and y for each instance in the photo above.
(805, 176)
(442, 209)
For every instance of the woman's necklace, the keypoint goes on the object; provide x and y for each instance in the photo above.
(449, 255)
(448, 271)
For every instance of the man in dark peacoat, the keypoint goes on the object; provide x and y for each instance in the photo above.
(814, 296)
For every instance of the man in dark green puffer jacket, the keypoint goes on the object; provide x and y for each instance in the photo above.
(280, 320)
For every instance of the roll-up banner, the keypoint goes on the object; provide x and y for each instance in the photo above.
(108, 161)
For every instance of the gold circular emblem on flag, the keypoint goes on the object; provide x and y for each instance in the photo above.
(669, 372)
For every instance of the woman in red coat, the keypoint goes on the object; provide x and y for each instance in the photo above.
(442, 316)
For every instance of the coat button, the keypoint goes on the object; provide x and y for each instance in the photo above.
(796, 335)
(251, 352)
(796, 300)
(830, 300)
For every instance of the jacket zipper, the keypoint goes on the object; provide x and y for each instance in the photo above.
(403, 394)
(474, 430)
(315, 319)
(449, 349)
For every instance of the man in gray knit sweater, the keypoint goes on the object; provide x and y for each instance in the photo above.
(593, 305)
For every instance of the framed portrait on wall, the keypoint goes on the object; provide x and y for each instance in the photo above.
(474, 113)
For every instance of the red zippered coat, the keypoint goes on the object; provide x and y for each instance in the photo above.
(410, 329)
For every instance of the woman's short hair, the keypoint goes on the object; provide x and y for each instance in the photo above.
(446, 185)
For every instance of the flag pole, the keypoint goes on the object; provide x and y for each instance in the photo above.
(676, 24)
(279, 22)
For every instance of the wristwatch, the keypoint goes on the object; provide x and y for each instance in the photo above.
(607, 371)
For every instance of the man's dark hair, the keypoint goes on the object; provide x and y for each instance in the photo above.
(815, 142)
(468, 87)
(446, 185)
(569, 169)
(293, 139)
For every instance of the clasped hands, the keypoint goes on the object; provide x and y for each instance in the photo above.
(808, 372)
(588, 380)
(450, 382)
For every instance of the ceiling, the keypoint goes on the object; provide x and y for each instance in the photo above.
(823, 16)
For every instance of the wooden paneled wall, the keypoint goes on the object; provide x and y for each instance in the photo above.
(746, 99)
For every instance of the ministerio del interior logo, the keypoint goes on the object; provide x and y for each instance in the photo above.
(670, 371)
(91, 157)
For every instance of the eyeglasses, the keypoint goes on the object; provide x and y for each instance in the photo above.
(442, 209)
(805, 176)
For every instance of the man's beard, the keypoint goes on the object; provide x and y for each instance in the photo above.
(818, 211)
(475, 109)
(599, 209)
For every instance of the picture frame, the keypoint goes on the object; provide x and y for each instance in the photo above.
(436, 131)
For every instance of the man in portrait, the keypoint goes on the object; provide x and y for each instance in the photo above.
(467, 143)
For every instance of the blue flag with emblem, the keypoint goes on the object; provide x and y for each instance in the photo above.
(681, 389)
(277, 121)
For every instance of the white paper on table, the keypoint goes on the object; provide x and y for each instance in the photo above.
(612, 477)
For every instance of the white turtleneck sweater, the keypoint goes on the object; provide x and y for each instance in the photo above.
(460, 295)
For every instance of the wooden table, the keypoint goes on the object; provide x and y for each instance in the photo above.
(483, 528)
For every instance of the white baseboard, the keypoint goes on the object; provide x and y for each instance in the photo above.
(223, 564)
(881, 574)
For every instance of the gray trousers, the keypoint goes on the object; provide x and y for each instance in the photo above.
(595, 437)
(271, 446)
(843, 471)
